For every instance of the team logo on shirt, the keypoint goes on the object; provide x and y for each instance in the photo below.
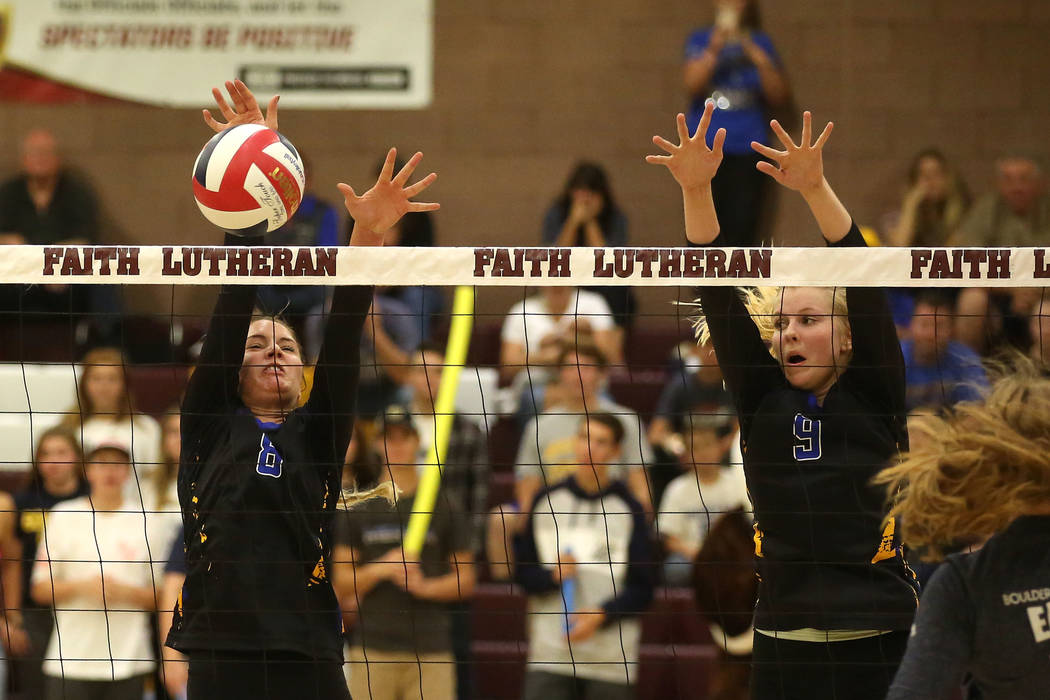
(269, 462)
(807, 435)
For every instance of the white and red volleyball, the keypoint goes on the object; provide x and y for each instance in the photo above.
(248, 180)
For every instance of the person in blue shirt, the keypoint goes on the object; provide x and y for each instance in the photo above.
(733, 63)
(940, 372)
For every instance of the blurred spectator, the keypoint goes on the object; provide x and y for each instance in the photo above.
(709, 488)
(94, 567)
(940, 371)
(46, 205)
(402, 636)
(465, 472)
(734, 64)
(12, 630)
(160, 495)
(415, 229)
(57, 476)
(165, 539)
(1039, 331)
(1016, 214)
(315, 223)
(464, 483)
(393, 324)
(362, 467)
(175, 669)
(536, 327)
(546, 453)
(933, 206)
(725, 588)
(585, 214)
(104, 413)
(584, 638)
(696, 381)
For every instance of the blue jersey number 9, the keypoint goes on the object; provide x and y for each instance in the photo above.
(270, 461)
(807, 436)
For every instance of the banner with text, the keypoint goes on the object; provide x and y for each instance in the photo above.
(499, 266)
(315, 53)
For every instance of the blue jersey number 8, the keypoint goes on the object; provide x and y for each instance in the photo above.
(807, 433)
(270, 462)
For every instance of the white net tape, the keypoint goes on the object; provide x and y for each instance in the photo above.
(506, 266)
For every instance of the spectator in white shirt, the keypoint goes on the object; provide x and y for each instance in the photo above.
(709, 488)
(93, 566)
(536, 326)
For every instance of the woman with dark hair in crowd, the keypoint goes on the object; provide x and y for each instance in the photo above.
(734, 65)
(105, 413)
(586, 214)
(57, 475)
(934, 204)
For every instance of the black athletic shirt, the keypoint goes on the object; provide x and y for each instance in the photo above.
(823, 558)
(986, 614)
(257, 498)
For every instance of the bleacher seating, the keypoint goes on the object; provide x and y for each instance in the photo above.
(33, 398)
(676, 656)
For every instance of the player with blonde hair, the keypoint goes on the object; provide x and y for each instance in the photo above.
(817, 379)
(981, 475)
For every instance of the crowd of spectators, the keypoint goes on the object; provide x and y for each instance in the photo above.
(601, 496)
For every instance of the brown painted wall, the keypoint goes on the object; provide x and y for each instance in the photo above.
(526, 87)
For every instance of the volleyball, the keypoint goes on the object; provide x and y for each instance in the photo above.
(248, 180)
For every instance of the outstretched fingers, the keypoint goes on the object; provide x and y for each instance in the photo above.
(767, 152)
(349, 196)
(423, 206)
(705, 121)
(718, 142)
(683, 130)
(782, 135)
(824, 135)
(658, 160)
(224, 107)
(406, 172)
(807, 129)
(771, 170)
(388, 166)
(664, 144)
(211, 122)
(413, 190)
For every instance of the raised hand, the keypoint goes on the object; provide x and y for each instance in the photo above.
(691, 162)
(389, 199)
(245, 108)
(800, 166)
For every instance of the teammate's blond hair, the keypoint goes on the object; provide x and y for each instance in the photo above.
(977, 468)
(763, 305)
(351, 498)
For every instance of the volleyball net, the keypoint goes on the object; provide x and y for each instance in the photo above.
(548, 364)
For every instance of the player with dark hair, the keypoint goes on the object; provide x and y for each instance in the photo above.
(260, 475)
(817, 377)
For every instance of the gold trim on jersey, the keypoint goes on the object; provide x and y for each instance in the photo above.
(886, 549)
(758, 539)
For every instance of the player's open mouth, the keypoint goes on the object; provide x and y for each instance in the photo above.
(795, 359)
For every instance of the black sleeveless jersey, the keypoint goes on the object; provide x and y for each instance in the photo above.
(823, 557)
(257, 498)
